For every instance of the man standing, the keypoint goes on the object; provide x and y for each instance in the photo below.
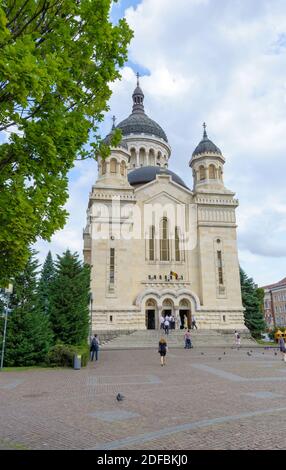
(166, 324)
(94, 347)
(194, 325)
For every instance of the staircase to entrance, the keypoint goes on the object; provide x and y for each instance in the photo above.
(141, 339)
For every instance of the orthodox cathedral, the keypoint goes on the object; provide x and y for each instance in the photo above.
(156, 246)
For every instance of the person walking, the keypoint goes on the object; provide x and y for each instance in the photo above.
(188, 340)
(282, 348)
(94, 348)
(166, 325)
(162, 319)
(163, 348)
(172, 322)
(194, 324)
(235, 337)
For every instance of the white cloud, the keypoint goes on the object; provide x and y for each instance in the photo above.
(224, 63)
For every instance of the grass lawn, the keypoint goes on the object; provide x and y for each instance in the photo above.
(21, 369)
(267, 343)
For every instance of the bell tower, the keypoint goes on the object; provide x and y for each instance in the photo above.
(207, 164)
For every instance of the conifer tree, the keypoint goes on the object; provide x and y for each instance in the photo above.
(70, 300)
(253, 317)
(28, 330)
(45, 285)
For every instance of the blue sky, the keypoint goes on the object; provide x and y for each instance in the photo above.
(223, 62)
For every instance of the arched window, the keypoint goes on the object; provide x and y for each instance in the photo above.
(164, 240)
(202, 172)
(177, 244)
(220, 172)
(103, 167)
(152, 244)
(142, 157)
(113, 164)
(211, 172)
(151, 157)
(122, 168)
(219, 264)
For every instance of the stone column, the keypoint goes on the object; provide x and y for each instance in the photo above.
(137, 157)
(160, 308)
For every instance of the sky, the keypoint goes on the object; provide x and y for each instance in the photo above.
(222, 62)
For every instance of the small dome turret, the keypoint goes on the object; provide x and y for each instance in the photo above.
(207, 164)
(206, 145)
(107, 139)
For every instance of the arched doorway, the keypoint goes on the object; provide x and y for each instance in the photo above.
(185, 314)
(167, 307)
(150, 314)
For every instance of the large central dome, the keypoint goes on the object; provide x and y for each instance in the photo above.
(138, 122)
(148, 173)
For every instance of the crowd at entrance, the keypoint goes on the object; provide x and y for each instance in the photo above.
(169, 317)
(169, 322)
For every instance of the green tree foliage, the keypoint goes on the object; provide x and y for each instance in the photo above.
(29, 336)
(45, 285)
(57, 61)
(70, 300)
(260, 296)
(251, 300)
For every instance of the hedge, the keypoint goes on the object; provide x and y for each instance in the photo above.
(62, 355)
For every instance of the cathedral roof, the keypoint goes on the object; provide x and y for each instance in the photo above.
(138, 122)
(107, 139)
(146, 174)
(206, 146)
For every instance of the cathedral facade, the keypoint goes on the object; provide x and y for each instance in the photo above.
(156, 246)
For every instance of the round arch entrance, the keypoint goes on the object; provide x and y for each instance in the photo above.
(151, 310)
(185, 314)
(167, 307)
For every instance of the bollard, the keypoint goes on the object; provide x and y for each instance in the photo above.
(77, 361)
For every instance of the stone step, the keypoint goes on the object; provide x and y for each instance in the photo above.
(200, 338)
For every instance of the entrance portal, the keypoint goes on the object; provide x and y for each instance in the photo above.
(186, 319)
(150, 319)
(166, 312)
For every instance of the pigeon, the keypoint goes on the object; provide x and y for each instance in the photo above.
(248, 353)
(219, 358)
(275, 353)
(202, 354)
(119, 397)
(224, 353)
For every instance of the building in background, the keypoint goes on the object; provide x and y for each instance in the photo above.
(275, 304)
(157, 247)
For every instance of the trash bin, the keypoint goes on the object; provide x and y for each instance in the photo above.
(77, 361)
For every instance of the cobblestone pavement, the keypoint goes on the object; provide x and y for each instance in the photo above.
(196, 401)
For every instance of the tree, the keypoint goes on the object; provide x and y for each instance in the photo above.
(29, 334)
(45, 285)
(57, 61)
(70, 300)
(251, 300)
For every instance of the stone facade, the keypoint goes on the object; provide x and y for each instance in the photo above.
(155, 246)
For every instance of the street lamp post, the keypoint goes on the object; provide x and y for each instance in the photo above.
(8, 292)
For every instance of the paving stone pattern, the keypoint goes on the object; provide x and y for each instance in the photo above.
(196, 401)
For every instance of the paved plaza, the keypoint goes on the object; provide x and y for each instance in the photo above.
(202, 399)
